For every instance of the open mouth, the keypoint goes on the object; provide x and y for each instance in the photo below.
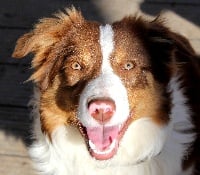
(103, 141)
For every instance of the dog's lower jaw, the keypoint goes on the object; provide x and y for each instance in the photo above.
(113, 141)
(56, 158)
(68, 147)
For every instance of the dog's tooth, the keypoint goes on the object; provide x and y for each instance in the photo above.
(112, 146)
(92, 145)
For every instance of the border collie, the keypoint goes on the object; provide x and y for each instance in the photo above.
(114, 99)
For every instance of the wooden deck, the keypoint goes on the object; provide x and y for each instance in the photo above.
(18, 17)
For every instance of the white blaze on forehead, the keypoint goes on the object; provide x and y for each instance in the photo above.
(106, 85)
(107, 46)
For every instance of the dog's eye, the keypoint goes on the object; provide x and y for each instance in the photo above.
(129, 65)
(76, 66)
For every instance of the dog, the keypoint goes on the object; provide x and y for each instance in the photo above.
(114, 99)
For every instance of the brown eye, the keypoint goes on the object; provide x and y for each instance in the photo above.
(76, 66)
(129, 66)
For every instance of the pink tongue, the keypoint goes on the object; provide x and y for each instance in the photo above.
(102, 137)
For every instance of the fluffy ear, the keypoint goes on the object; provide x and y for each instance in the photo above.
(42, 40)
(158, 33)
(168, 50)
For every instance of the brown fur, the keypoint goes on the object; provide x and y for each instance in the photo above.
(155, 53)
(54, 42)
(143, 90)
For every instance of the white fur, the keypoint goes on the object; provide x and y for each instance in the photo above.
(67, 154)
(107, 46)
(106, 85)
(145, 149)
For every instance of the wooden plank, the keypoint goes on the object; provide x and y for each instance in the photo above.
(15, 114)
(16, 122)
(13, 89)
(14, 165)
(17, 18)
(186, 2)
(9, 36)
(187, 29)
(21, 128)
(8, 41)
(12, 146)
(26, 13)
(191, 13)
(196, 45)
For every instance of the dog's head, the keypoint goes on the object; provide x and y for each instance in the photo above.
(110, 81)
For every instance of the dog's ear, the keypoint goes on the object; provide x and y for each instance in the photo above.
(42, 40)
(165, 48)
(160, 34)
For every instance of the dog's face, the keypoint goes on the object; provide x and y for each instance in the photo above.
(108, 81)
